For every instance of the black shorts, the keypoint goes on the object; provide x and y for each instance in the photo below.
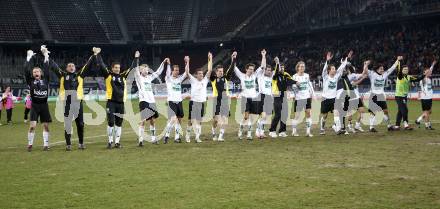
(379, 100)
(302, 104)
(175, 109)
(40, 111)
(249, 105)
(426, 104)
(196, 110)
(327, 105)
(361, 103)
(221, 106)
(148, 110)
(115, 108)
(265, 104)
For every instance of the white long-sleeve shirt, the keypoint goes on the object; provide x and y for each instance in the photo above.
(174, 86)
(265, 83)
(248, 83)
(305, 87)
(378, 81)
(145, 86)
(198, 88)
(330, 83)
(352, 78)
(426, 88)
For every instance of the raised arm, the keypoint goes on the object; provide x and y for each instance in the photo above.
(399, 71)
(392, 68)
(27, 68)
(166, 62)
(365, 70)
(262, 67)
(186, 74)
(231, 67)
(208, 73)
(134, 64)
(102, 66)
(328, 57)
(50, 63)
(432, 65)
(86, 66)
(344, 63)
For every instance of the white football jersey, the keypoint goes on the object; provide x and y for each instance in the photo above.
(304, 87)
(265, 84)
(426, 86)
(198, 89)
(174, 86)
(248, 83)
(145, 85)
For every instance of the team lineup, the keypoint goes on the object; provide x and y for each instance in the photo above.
(266, 91)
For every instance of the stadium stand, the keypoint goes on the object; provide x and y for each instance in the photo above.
(155, 20)
(218, 17)
(17, 21)
(80, 21)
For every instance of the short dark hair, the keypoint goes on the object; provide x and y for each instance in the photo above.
(115, 63)
(219, 66)
(330, 67)
(269, 66)
(249, 65)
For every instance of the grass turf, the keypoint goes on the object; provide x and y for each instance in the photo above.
(381, 170)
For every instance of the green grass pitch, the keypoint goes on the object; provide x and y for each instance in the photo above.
(381, 170)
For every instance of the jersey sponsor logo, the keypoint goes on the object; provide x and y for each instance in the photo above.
(379, 83)
(147, 86)
(40, 92)
(177, 87)
(268, 84)
(331, 85)
(249, 84)
(303, 86)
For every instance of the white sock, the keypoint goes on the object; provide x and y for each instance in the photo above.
(198, 130)
(31, 136)
(242, 124)
(213, 130)
(152, 130)
(118, 131)
(222, 131)
(249, 123)
(141, 133)
(46, 138)
(405, 124)
(387, 120)
(177, 131)
(358, 125)
(110, 134)
(372, 119)
(420, 118)
(188, 131)
(294, 124)
(308, 125)
(322, 123)
(337, 123)
(168, 128)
